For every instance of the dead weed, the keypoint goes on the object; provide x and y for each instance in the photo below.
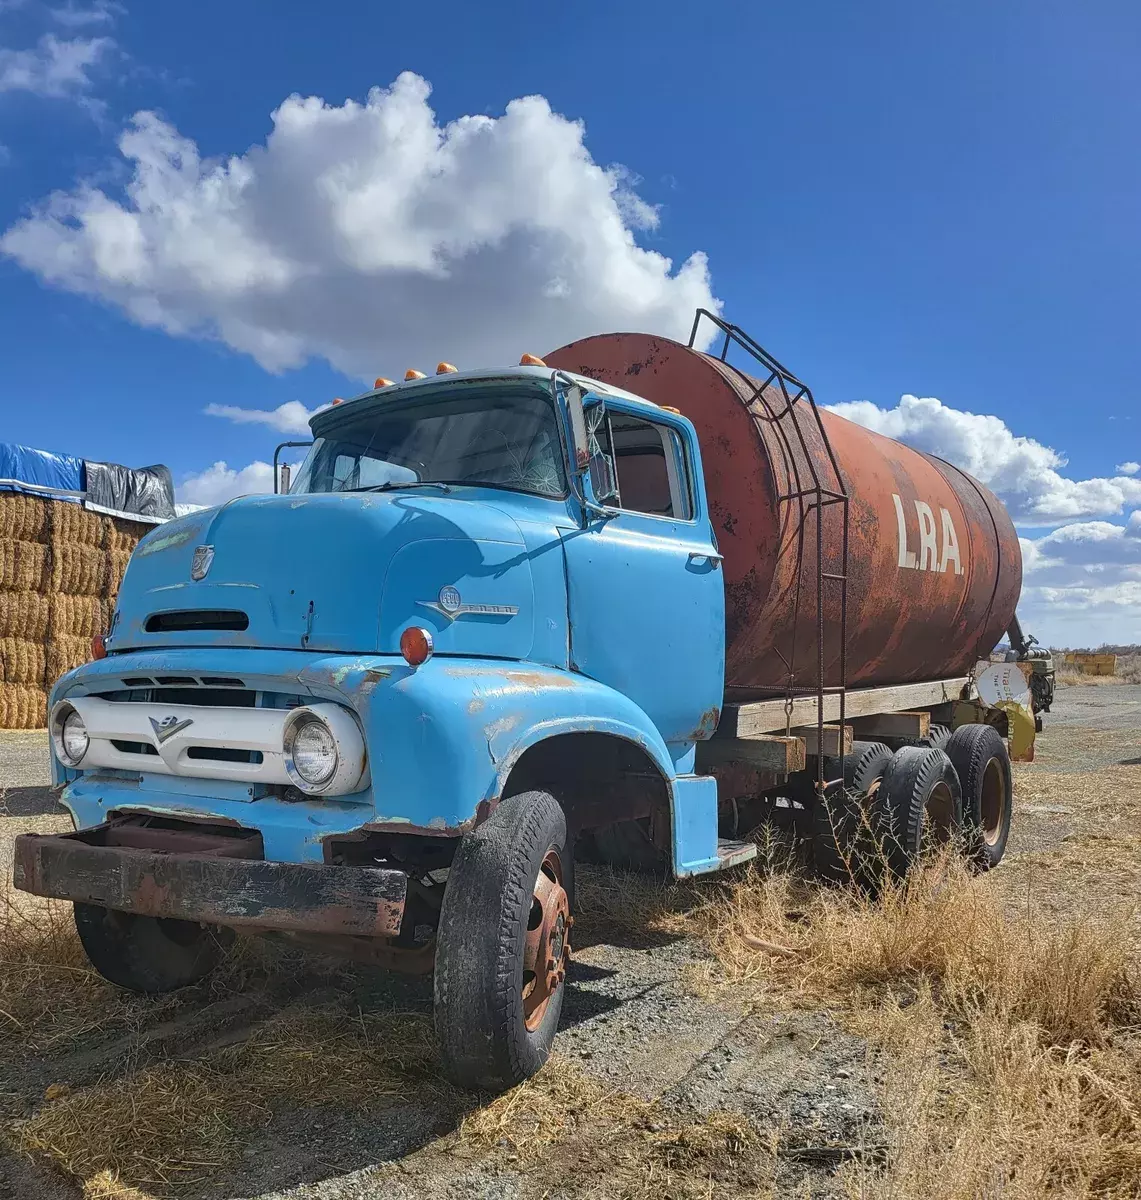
(1016, 1072)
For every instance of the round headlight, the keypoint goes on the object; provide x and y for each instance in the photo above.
(312, 752)
(71, 739)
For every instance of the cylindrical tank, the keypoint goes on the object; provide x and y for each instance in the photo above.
(934, 566)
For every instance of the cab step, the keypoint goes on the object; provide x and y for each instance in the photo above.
(732, 853)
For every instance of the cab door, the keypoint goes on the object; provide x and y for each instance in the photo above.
(645, 586)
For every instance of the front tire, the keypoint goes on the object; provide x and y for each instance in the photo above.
(503, 945)
(149, 954)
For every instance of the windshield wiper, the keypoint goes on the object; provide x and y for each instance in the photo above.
(391, 485)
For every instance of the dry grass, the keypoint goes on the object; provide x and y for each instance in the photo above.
(565, 1124)
(180, 1122)
(1128, 671)
(1017, 1071)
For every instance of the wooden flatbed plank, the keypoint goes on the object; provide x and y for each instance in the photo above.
(781, 755)
(768, 716)
(896, 725)
(832, 740)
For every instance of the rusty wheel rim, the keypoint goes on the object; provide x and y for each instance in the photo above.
(547, 944)
(992, 801)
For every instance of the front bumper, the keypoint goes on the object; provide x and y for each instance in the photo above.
(208, 878)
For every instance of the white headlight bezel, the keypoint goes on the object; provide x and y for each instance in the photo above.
(351, 772)
(62, 711)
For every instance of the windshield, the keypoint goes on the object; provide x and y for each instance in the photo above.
(506, 439)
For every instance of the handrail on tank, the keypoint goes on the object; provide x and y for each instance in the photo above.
(815, 496)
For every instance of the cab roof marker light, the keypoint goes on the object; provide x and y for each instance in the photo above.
(381, 382)
(446, 368)
(412, 373)
(531, 360)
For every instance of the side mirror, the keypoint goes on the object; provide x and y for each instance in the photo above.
(281, 473)
(580, 442)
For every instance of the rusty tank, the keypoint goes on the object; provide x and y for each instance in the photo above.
(933, 565)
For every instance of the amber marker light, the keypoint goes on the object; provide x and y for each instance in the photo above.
(412, 373)
(382, 382)
(531, 360)
(446, 369)
(416, 645)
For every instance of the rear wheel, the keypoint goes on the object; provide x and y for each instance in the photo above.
(938, 736)
(149, 954)
(980, 758)
(919, 805)
(838, 821)
(503, 945)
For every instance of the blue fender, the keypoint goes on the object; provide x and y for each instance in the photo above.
(444, 737)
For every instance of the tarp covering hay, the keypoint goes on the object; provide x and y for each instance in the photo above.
(60, 569)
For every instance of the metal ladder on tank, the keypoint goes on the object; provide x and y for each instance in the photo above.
(808, 493)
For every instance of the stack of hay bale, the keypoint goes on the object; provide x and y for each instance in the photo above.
(60, 570)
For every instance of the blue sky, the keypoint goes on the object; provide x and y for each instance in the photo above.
(897, 199)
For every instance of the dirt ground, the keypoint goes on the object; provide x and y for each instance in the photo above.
(641, 1042)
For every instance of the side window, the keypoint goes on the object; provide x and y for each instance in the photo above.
(650, 464)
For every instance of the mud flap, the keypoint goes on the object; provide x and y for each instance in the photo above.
(695, 825)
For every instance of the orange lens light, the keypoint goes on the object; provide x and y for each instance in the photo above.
(416, 645)
(531, 360)
(98, 646)
(412, 373)
(382, 382)
(338, 400)
(446, 369)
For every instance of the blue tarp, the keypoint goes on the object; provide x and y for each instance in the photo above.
(39, 472)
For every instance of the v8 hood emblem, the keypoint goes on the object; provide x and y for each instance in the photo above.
(169, 726)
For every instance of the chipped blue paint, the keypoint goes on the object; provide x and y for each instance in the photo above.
(612, 633)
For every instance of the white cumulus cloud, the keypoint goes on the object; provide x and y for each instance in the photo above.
(371, 235)
(71, 16)
(1082, 583)
(1025, 473)
(55, 67)
(1128, 468)
(221, 482)
(291, 417)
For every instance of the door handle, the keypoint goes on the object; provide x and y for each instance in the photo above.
(711, 555)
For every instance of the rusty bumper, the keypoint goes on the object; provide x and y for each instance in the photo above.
(211, 885)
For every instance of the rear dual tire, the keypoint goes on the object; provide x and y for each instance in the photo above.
(980, 758)
(919, 805)
(894, 806)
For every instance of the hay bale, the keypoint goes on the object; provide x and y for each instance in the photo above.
(65, 653)
(24, 615)
(24, 518)
(23, 707)
(23, 566)
(125, 535)
(77, 525)
(77, 569)
(117, 560)
(22, 661)
(78, 616)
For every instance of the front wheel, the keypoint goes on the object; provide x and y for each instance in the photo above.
(149, 954)
(503, 945)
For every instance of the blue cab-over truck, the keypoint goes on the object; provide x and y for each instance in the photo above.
(378, 712)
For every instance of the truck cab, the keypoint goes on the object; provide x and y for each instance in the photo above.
(378, 712)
